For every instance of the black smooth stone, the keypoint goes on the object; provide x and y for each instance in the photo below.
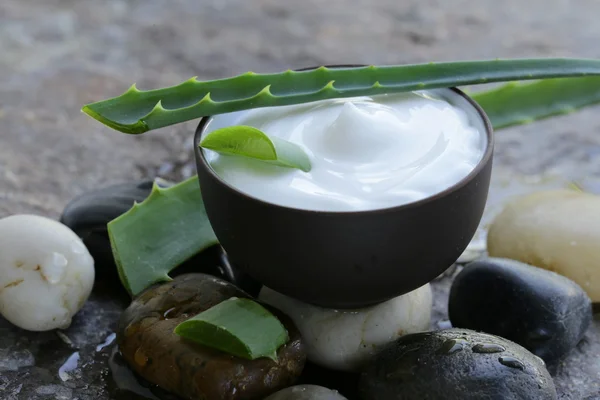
(443, 365)
(542, 311)
(88, 215)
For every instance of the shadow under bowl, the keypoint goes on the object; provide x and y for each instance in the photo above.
(348, 259)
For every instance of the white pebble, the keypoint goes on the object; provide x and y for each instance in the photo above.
(46, 272)
(346, 339)
(558, 230)
(306, 392)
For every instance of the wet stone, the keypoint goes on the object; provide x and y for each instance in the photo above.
(544, 312)
(151, 349)
(419, 366)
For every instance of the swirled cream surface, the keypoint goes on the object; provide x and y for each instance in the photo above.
(366, 153)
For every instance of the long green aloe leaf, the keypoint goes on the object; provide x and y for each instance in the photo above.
(241, 327)
(160, 233)
(247, 141)
(138, 111)
(521, 103)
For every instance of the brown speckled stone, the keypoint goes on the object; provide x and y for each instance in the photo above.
(147, 342)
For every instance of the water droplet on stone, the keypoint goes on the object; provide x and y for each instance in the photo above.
(170, 313)
(488, 348)
(53, 268)
(512, 362)
(140, 357)
(452, 346)
(111, 338)
(68, 366)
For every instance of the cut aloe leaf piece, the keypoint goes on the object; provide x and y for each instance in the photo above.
(157, 235)
(240, 327)
(247, 141)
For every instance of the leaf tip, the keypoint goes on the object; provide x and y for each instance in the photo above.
(134, 207)
(132, 89)
(330, 85)
(158, 108)
(206, 99)
(266, 91)
(193, 80)
(155, 192)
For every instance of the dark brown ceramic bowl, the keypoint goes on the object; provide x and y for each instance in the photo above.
(348, 259)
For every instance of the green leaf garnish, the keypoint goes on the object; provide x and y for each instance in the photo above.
(241, 327)
(138, 111)
(521, 103)
(157, 235)
(250, 142)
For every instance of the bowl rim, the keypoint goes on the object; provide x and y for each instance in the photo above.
(483, 162)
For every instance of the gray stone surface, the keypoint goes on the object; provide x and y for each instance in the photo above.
(56, 55)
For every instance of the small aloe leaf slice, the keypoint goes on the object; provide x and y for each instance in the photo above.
(247, 141)
(160, 233)
(240, 327)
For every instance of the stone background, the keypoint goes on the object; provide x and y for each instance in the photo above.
(56, 55)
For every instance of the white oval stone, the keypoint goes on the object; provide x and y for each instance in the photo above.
(346, 339)
(558, 230)
(46, 272)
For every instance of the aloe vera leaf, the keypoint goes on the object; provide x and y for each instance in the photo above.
(521, 103)
(160, 233)
(241, 327)
(248, 141)
(138, 111)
